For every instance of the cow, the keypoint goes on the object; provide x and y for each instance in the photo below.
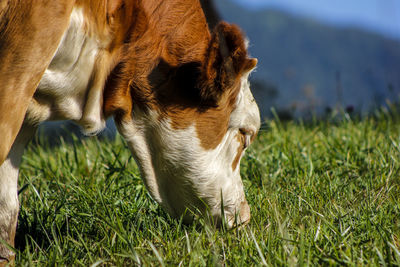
(178, 93)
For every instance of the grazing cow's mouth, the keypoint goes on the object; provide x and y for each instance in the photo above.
(178, 176)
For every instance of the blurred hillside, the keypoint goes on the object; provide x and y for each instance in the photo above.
(308, 66)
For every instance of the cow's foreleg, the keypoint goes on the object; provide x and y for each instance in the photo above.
(9, 204)
(30, 32)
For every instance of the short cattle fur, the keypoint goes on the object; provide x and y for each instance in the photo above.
(178, 94)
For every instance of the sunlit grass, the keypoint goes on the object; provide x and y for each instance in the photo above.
(320, 193)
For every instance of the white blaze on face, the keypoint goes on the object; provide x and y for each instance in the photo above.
(246, 115)
(180, 173)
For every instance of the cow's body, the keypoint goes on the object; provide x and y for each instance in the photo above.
(179, 95)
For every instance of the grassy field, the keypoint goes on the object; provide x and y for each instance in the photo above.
(321, 193)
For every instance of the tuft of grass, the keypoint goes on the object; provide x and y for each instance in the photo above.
(324, 193)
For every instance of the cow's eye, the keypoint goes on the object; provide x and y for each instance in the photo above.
(246, 137)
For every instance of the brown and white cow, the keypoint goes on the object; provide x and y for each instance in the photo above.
(179, 95)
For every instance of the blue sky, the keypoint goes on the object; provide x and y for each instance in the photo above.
(375, 15)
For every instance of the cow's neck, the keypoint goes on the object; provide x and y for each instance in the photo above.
(72, 86)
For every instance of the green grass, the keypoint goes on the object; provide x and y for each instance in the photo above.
(322, 193)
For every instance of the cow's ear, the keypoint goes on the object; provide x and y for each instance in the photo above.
(226, 61)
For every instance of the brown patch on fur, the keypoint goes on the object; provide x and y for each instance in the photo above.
(240, 139)
(173, 65)
(161, 30)
(95, 12)
(117, 96)
(111, 23)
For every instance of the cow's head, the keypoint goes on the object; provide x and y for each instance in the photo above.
(189, 123)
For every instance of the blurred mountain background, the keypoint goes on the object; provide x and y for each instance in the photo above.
(310, 65)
